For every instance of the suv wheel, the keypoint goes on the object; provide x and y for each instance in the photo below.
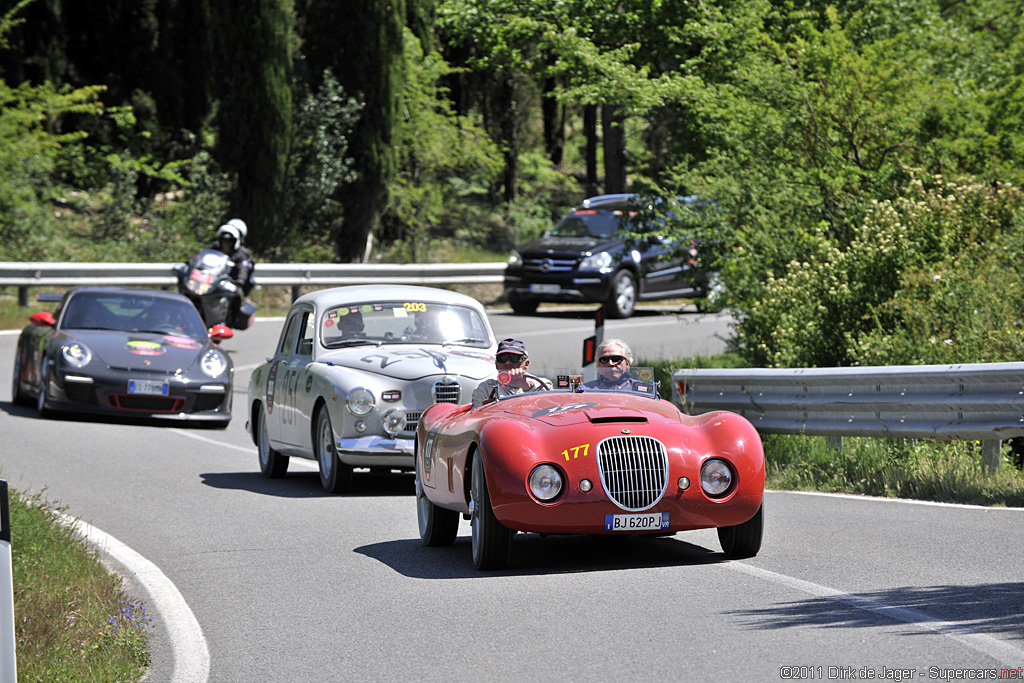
(522, 306)
(622, 297)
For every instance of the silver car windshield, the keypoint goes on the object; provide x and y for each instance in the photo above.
(403, 322)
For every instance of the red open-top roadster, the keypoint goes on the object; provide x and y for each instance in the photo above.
(572, 461)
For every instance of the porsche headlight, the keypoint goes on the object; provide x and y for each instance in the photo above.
(598, 261)
(545, 483)
(715, 478)
(515, 259)
(393, 421)
(359, 401)
(214, 364)
(76, 354)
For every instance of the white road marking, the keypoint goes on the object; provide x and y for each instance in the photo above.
(191, 654)
(903, 501)
(301, 462)
(999, 650)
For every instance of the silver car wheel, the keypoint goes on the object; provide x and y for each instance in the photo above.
(335, 476)
(273, 465)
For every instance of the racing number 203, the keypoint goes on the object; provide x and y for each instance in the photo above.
(415, 307)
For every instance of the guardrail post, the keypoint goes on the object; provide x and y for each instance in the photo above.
(23, 297)
(991, 455)
(8, 663)
(296, 292)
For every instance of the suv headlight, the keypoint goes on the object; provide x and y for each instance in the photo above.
(598, 261)
(515, 258)
(76, 354)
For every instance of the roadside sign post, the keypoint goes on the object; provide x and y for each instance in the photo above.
(8, 663)
(590, 344)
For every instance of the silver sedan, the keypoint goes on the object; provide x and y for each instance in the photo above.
(353, 370)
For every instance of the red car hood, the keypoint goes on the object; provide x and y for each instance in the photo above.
(597, 407)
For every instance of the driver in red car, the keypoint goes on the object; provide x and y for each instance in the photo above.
(512, 361)
(614, 358)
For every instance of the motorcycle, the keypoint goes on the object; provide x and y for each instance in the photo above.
(206, 281)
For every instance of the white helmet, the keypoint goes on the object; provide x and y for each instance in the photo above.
(228, 230)
(240, 224)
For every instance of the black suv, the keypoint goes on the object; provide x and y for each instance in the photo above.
(588, 258)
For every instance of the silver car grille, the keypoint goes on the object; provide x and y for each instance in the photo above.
(634, 470)
(446, 393)
(549, 265)
(412, 418)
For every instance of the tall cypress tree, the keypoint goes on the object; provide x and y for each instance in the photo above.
(362, 43)
(252, 40)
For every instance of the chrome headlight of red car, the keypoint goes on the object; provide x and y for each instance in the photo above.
(76, 354)
(546, 482)
(716, 477)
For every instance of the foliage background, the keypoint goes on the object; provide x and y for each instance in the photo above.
(864, 156)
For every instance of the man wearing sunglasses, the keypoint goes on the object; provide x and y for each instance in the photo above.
(613, 360)
(512, 361)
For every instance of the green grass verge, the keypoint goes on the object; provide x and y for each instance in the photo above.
(73, 622)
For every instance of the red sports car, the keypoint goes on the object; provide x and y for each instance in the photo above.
(576, 461)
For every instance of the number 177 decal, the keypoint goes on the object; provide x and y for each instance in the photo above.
(576, 451)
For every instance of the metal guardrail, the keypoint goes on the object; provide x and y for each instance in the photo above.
(44, 274)
(981, 401)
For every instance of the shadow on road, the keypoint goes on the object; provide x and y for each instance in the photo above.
(306, 484)
(992, 609)
(533, 554)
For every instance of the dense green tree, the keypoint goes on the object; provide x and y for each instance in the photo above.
(362, 42)
(254, 112)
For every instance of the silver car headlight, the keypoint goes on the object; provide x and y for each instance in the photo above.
(214, 364)
(393, 421)
(598, 261)
(546, 483)
(716, 477)
(76, 354)
(359, 401)
(515, 258)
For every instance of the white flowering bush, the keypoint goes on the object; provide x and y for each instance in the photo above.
(933, 276)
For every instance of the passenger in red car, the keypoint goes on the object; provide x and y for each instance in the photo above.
(512, 361)
(614, 357)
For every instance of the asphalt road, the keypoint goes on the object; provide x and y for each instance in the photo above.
(290, 584)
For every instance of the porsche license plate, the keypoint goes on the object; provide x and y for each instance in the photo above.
(645, 522)
(145, 386)
(545, 289)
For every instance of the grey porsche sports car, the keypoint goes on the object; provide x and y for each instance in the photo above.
(354, 369)
(127, 352)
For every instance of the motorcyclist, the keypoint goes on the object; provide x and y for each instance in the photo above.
(230, 238)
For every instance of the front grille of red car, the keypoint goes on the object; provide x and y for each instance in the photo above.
(634, 470)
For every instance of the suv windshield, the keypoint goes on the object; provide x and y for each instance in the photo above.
(589, 223)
